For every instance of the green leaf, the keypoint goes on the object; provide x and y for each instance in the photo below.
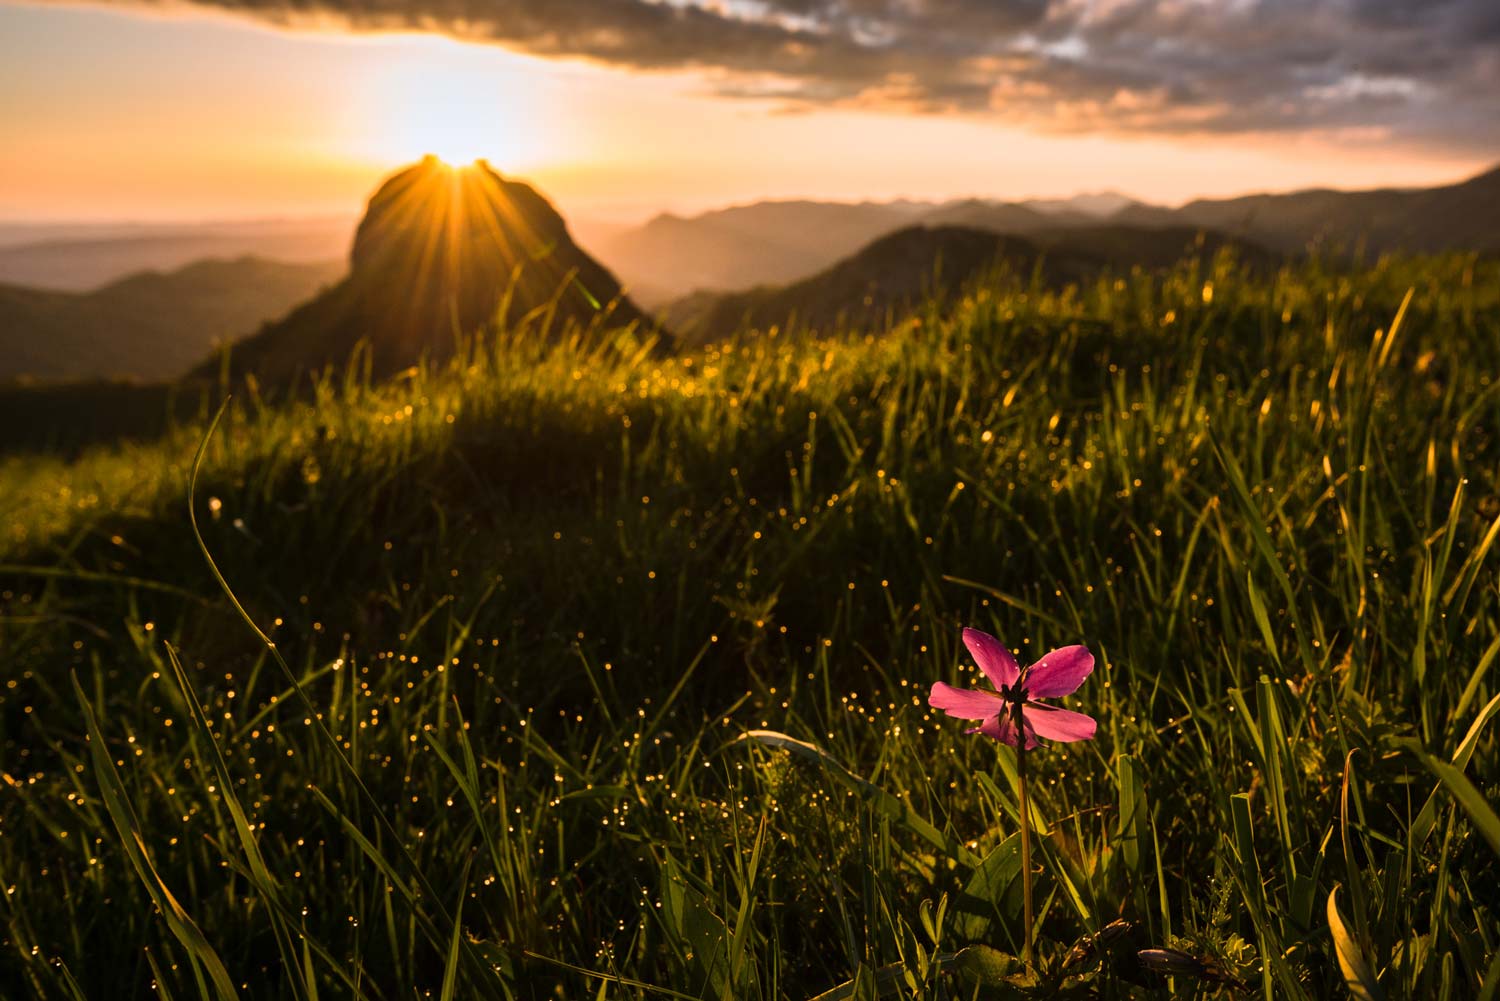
(700, 934)
(1132, 792)
(986, 966)
(1490, 986)
(450, 968)
(1471, 799)
(867, 984)
(1358, 974)
(983, 897)
(127, 825)
(1427, 817)
(1262, 620)
(1350, 869)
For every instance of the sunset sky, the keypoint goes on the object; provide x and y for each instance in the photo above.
(619, 108)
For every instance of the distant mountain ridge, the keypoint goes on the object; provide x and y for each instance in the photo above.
(151, 325)
(1462, 216)
(79, 257)
(738, 247)
(777, 242)
(1100, 204)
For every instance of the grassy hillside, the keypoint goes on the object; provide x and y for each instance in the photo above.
(530, 605)
(150, 325)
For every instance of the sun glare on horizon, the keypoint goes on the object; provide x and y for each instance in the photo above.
(456, 143)
(457, 102)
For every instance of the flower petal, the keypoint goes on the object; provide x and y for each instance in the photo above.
(1059, 672)
(1059, 724)
(997, 728)
(993, 659)
(965, 703)
(1002, 729)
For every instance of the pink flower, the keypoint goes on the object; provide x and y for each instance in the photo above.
(1015, 708)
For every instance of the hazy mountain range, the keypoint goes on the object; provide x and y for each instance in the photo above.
(775, 242)
(433, 260)
(81, 257)
(152, 325)
(772, 243)
(1463, 216)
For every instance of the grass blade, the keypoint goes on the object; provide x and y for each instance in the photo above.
(117, 802)
(1358, 974)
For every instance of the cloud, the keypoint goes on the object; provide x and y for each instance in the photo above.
(1426, 72)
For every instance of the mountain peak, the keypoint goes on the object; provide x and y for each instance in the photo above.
(441, 252)
(440, 214)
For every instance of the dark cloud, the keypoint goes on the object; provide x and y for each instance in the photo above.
(1426, 71)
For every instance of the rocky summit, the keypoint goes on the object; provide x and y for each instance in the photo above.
(441, 253)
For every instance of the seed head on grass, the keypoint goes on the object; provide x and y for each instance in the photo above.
(1015, 711)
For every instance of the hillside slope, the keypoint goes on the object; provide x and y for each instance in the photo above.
(896, 273)
(151, 325)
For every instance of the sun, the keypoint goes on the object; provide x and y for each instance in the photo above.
(457, 125)
(459, 103)
(455, 143)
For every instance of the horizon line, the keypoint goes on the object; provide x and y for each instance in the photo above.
(356, 212)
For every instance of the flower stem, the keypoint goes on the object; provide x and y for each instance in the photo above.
(1025, 846)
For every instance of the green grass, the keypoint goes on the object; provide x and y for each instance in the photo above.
(525, 610)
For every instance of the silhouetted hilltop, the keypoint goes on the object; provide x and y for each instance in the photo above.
(150, 325)
(440, 253)
(896, 273)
